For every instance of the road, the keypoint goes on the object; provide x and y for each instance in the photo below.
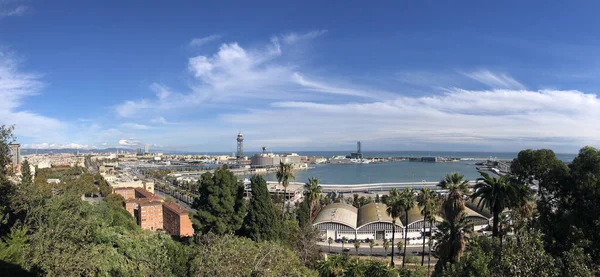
(364, 250)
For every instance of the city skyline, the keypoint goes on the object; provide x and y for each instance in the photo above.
(397, 76)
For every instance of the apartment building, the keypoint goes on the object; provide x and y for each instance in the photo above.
(176, 220)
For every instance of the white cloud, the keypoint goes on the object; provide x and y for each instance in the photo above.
(130, 108)
(295, 37)
(507, 119)
(46, 145)
(197, 42)
(12, 11)
(15, 87)
(161, 91)
(494, 80)
(159, 120)
(129, 142)
(235, 74)
(135, 126)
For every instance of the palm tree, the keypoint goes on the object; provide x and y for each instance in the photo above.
(395, 207)
(454, 203)
(450, 239)
(496, 194)
(333, 266)
(312, 191)
(426, 200)
(284, 175)
(330, 241)
(453, 209)
(371, 245)
(399, 244)
(377, 269)
(356, 246)
(408, 200)
(386, 246)
(344, 240)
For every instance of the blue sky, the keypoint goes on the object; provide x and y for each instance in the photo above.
(304, 75)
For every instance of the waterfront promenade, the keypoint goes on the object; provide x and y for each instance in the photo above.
(374, 187)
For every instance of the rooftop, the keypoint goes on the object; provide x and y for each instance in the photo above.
(338, 213)
(373, 212)
(175, 208)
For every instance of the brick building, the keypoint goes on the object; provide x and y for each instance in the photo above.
(176, 220)
(152, 214)
(127, 193)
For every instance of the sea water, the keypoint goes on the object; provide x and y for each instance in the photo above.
(399, 171)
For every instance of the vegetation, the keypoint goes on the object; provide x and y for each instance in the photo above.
(261, 222)
(427, 200)
(343, 265)
(284, 175)
(221, 205)
(395, 207)
(452, 231)
(408, 202)
(497, 194)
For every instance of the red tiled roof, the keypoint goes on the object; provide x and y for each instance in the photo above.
(146, 193)
(175, 208)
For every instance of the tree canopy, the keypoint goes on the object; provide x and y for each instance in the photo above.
(261, 222)
(221, 205)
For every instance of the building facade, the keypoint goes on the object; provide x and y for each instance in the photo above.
(176, 220)
(150, 215)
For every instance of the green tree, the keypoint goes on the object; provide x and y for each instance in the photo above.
(284, 175)
(450, 241)
(26, 176)
(243, 257)
(408, 199)
(371, 245)
(312, 192)
(344, 241)
(221, 205)
(497, 194)
(453, 209)
(356, 246)
(329, 241)
(115, 200)
(6, 187)
(427, 201)
(395, 207)
(454, 203)
(386, 246)
(261, 221)
(303, 212)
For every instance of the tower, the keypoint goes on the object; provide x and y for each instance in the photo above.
(146, 150)
(240, 145)
(15, 153)
(358, 147)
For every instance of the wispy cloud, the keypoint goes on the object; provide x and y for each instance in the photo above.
(234, 74)
(509, 120)
(46, 145)
(494, 80)
(135, 126)
(159, 120)
(296, 37)
(7, 12)
(15, 87)
(197, 42)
